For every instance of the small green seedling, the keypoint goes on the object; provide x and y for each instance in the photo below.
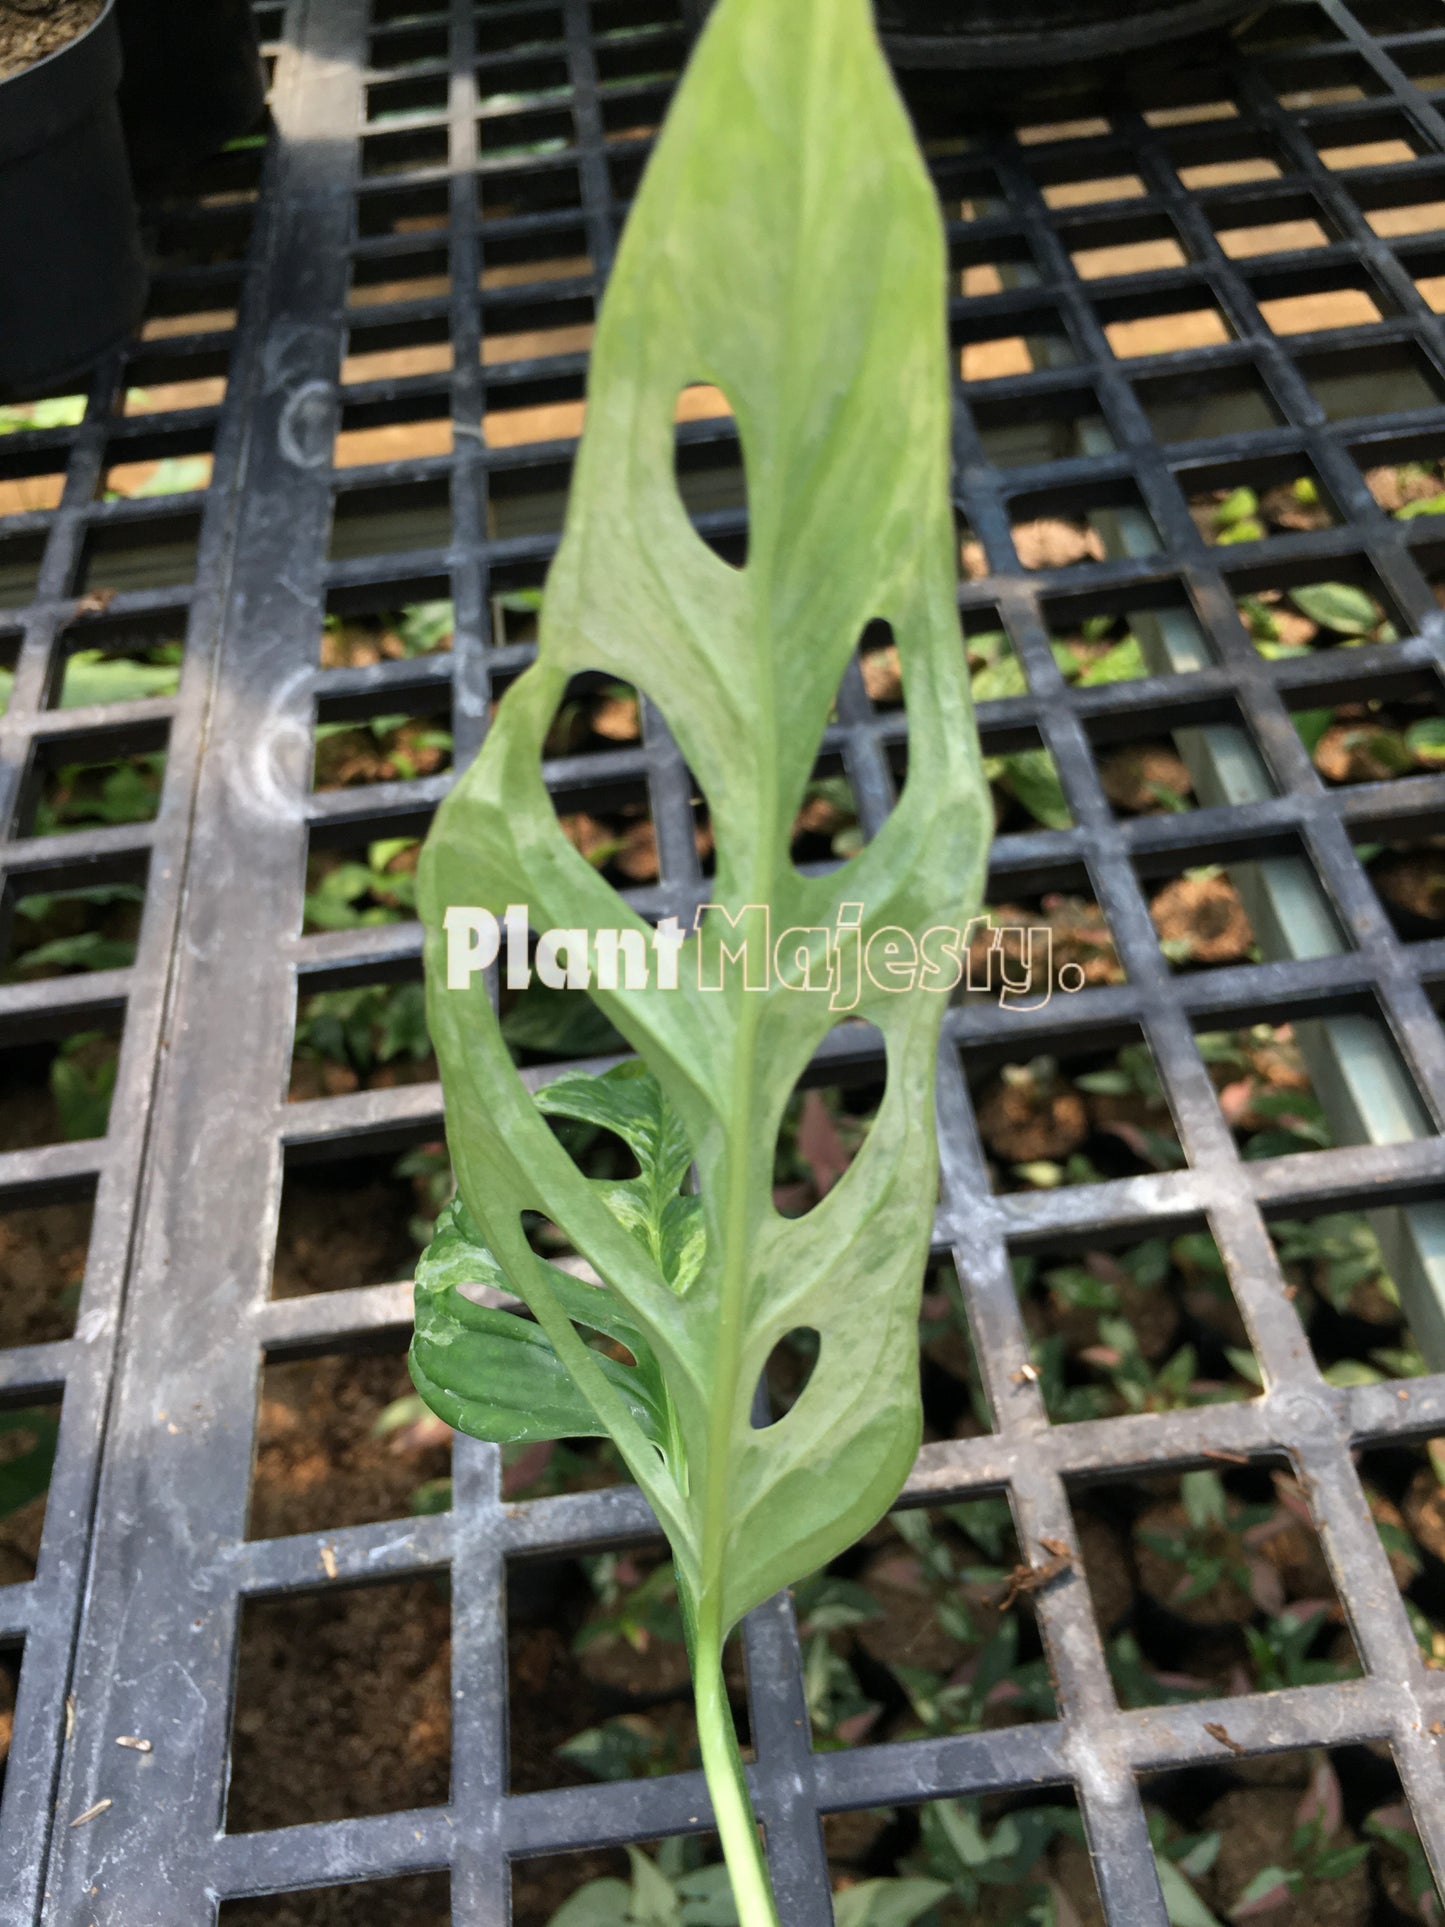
(787, 170)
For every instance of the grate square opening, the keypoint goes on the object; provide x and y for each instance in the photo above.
(989, 265)
(410, 1900)
(1281, 223)
(1403, 1486)
(119, 659)
(343, 1440)
(11, 1659)
(1384, 139)
(992, 350)
(397, 351)
(1311, 1835)
(390, 518)
(65, 922)
(1397, 206)
(1056, 529)
(392, 209)
(1208, 403)
(99, 779)
(343, 1704)
(1408, 874)
(505, 192)
(1125, 245)
(597, 1671)
(31, 480)
(1291, 608)
(558, 253)
(414, 428)
(29, 1437)
(1110, 636)
(1264, 499)
(152, 466)
(43, 1253)
(413, 275)
(1324, 301)
(536, 330)
(59, 1089)
(1147, 1325)
(361, 1215)
(399, 744)
(1140, 325)
(1368, 737)
(389, 623)
(165, 383)
(414, 42)
(1034, 945)
(917, 1632)
(1143, 772)
(1005, 1856)
(360, 1033)
(1222, 158)
(405, 151)
(20, 558)
(503, 30)
(1338, 1276)
(1386, 378)
(355, 880)
(955, 1404)
(414, 97)
(1085, 1107)
(1264, 1076)
(150, 551)
(1200, 918)
(1039, 426)
(1210, 1584)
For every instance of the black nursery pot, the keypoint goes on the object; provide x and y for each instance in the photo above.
(1036, 34)
(72, 279)
(193, 80)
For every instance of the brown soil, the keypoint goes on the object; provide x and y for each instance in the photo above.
(334, 1234)
(1134, 777)
(342, 1705)
(1395, 488)
(31, 29)
(1347, 753)
(362, 644)
(356, 757)
(1205, 913)
(324, 1077)
(1051, 543)
(418, 1900)
(319, 1462)
(1023, 1123)
(1257, 1824)
(1165, 1579)
(1425, 1511)
(908, 1633)
(1414, 881)
(42, 1263)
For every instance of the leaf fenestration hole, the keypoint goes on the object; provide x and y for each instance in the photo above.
(822, 1130)
(708, 467)
(790, 1366)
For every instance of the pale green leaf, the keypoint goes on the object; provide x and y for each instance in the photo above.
(887, 1903)
(601, 1903)
(786, 166)
(1183, 1905)
(1339, 606)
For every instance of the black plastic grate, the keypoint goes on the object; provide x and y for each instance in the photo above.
(449, 185)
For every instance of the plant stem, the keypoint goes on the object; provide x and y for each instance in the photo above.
(722, 1763)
